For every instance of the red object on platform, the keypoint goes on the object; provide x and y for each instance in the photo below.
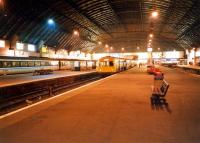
(158, 76)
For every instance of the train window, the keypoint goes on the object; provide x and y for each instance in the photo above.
(37, 63)
(16, 64)
(111, 63)
(1, 64)
(42, 63)
(23, 63)
(64, 63)
(103, 64)
(47, 63)
(30, 63)
(7, 64)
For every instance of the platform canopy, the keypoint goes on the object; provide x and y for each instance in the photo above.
(118, 23)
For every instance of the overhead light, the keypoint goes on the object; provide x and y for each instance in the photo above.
(149, 49)
(158, 49)
(76, 33)
(154, 14)
(111, 48)
(151, 35)
(138, 48)
(50, 21)
(106, 46)
(122, 49)
(99, 42)
(150, 40)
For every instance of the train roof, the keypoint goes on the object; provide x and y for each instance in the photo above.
(39, 58)
(110, 58)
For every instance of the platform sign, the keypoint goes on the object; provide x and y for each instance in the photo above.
(2, 44)
(44, 49)
(31, 48)
(19, 46)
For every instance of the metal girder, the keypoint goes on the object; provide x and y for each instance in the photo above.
(86, 17)
(178, 23)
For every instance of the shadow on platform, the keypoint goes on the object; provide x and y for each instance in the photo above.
(160, 104)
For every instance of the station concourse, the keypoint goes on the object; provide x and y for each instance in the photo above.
(113, 110)
(99, 71)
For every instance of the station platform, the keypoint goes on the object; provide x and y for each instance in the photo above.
(9, 80)
(188, 66)
(189, 69)
(113, 110)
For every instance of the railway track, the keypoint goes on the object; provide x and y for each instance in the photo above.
(19, 96)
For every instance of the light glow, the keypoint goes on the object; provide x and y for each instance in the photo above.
(31, 47)
(19, 46)
(157, 55)
(99, 42)
(151, 35)
(44, 49)
(149, 49)
(197, 52)
(54, 63)
(76, 33)
(2, 44)
(154, 14)
(50, 21)
(172, 54)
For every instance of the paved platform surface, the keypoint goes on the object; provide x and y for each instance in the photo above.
(24, 78)
(189, 66)
(114, 110)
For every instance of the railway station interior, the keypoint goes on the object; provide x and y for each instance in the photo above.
(99, 71)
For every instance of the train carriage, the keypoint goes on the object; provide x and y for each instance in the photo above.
(110, 64)
(28, 65)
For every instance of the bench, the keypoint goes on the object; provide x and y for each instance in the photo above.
(43, 72)
(160, 92)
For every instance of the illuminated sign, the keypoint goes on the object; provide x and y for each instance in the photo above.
(2, 44)
(149, 49)
(20, 46)
(31, 47)
(44, 49)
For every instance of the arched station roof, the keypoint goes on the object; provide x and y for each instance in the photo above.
(118, 23)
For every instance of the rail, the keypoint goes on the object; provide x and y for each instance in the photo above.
(14, 97)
